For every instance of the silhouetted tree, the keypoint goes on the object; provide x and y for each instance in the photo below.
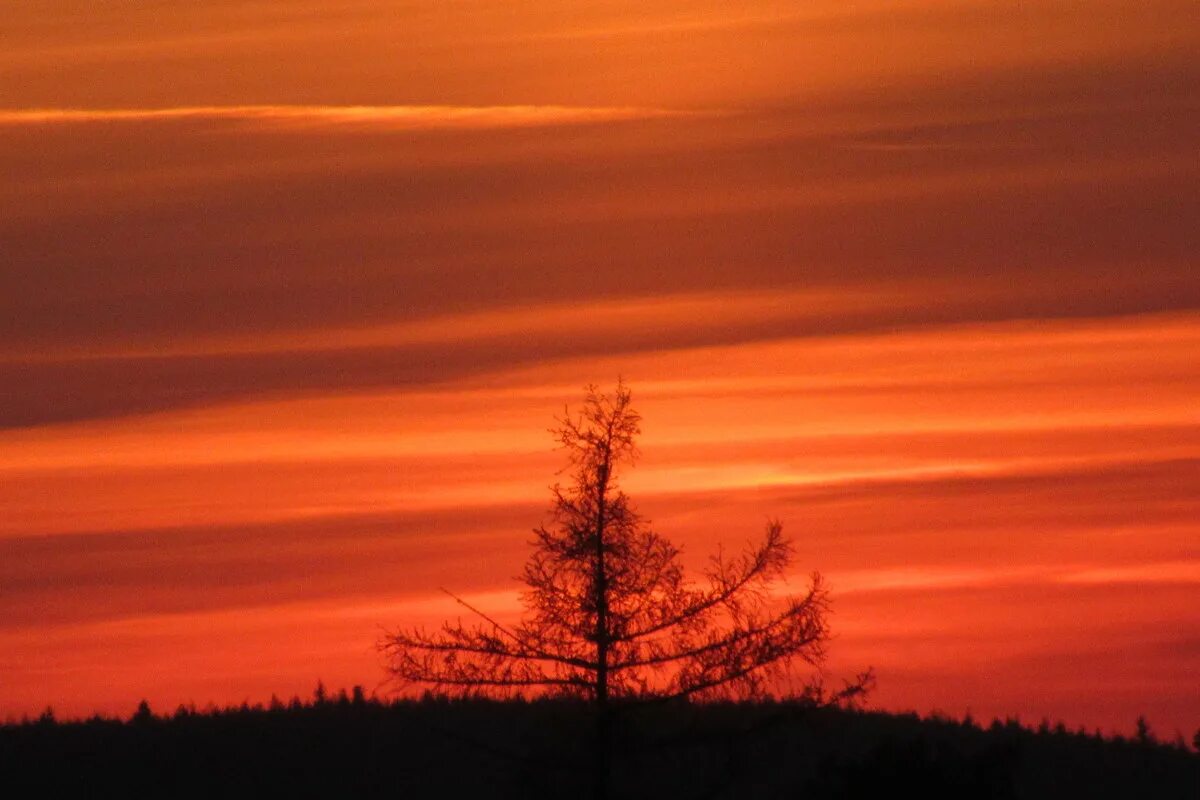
(1143, 735)
(143, 714)
(612, 618)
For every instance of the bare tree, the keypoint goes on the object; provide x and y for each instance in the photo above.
(612, 618)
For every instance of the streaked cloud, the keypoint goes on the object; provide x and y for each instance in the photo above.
(916, 579)
(390, 117)
(1172, 572)
(653, 315)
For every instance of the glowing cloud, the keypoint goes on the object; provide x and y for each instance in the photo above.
(388, 117)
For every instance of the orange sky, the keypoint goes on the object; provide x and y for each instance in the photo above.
(290, 294)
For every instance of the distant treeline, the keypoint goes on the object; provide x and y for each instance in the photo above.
(350, 745)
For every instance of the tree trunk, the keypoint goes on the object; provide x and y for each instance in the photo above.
(602, 766)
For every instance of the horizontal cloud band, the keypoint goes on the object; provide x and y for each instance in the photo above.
(397, 116)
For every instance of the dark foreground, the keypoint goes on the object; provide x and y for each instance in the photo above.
(353, 747)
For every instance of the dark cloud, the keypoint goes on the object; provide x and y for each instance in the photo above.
(61, 578)
(1033, 190)
(148, 234)
(41, 390)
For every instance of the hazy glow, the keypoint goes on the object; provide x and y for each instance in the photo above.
(290, 294)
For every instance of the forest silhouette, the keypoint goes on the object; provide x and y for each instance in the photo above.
(347, 744)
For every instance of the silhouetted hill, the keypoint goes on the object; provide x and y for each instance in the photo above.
(350, 746)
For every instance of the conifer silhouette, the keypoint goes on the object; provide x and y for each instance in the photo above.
(611, 616)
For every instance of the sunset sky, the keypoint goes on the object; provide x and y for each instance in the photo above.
(291, 292)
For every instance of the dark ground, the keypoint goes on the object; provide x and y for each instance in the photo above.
(354, 747)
